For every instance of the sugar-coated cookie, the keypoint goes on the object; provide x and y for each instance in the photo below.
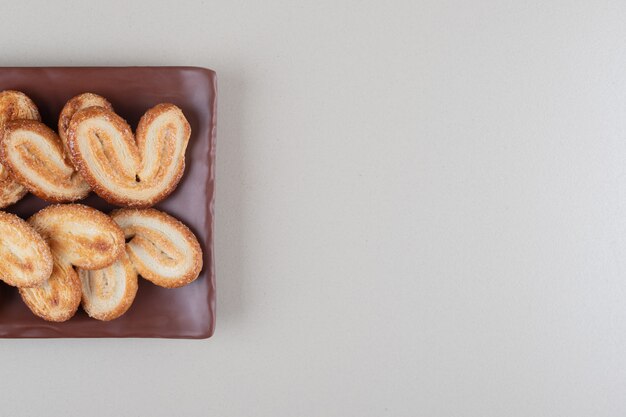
(162, 249)
(124, 169)
(25, 258)
(34, 155)
(108, 293)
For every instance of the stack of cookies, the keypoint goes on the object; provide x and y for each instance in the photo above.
(70, 254)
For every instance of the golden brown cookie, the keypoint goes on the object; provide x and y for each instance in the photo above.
(123, 169)
(162, 249)
(108, 293)
(57, 298)
(13, 105)
(78, 236)
(25, 258)
(34, 155)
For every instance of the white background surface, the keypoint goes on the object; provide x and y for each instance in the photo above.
(421, 210)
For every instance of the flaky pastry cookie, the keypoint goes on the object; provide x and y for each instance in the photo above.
(78, 236)
(13, 105)
(34, 155)
(162, 249)
(127, 170)
(25, 258)
(108, 293)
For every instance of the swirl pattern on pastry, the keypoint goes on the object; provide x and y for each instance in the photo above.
(123, 169)
(78, 236)
(25, 258)
(34, 155)
(162, 249)
(13, 105)
(79, 102)
(108, 293)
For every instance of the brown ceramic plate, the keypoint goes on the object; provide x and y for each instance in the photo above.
(187, 312)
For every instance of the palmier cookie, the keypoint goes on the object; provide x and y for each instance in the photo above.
(79, 102)
(78, 236)
(34, 155)
(162, 249)
(108, 293)
(123, 169)
(25, 258)
(13, 105)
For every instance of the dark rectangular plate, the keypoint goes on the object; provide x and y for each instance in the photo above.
(187, 312)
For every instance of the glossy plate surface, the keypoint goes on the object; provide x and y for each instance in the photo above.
(187, 312)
